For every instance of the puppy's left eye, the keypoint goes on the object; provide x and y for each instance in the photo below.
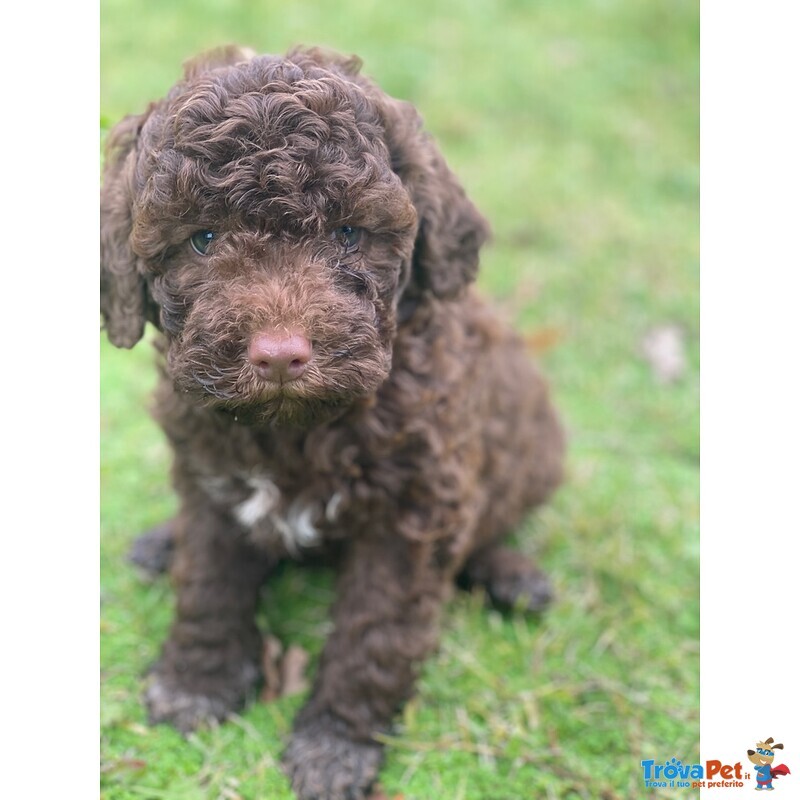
(201, 240)
(348, 236)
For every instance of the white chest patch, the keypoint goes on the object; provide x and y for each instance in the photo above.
(296, 525)
(261, 502)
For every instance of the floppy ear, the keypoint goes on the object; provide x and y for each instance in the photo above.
(123, 295)
(451, 230)
(124, 301)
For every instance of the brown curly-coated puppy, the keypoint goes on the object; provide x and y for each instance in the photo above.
(329, 384)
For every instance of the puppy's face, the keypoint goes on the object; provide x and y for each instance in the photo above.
(287, 327)
(275, 235)
(267, 230)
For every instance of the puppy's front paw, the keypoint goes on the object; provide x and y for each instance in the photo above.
(324, 764)
(172, 698)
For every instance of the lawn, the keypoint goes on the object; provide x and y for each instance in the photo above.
(574, 127)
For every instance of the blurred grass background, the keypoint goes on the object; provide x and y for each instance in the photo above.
(574, 127)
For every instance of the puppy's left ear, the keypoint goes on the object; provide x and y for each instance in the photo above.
(451, 230)
(123, 295)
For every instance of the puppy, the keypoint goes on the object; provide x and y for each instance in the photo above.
(330, 384)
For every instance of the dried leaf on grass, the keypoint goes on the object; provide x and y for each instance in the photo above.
(284, 672)
(543, 339)
(293, 670)
(664, 349)
(121, 764)
(378, 794)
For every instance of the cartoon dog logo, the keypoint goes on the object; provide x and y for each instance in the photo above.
(762, 757)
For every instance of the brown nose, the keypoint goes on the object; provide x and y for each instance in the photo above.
(279, 357)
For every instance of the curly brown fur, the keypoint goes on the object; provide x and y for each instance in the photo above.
(406, 429)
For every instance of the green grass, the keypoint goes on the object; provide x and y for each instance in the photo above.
(574, 127)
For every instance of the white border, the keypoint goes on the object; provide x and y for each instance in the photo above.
(49, 325)
(750, 422)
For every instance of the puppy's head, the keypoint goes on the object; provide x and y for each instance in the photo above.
(270, 216)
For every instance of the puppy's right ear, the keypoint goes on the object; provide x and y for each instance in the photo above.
(123, 295)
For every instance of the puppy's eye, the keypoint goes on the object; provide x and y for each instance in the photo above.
(348, 236)
(201, 240)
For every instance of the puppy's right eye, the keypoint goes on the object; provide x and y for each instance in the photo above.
(201, 240)
(348, 237)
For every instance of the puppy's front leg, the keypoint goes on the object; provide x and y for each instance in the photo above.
(210, 661)
(389, 597)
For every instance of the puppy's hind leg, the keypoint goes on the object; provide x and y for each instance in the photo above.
(511, 579)
(152, 551)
